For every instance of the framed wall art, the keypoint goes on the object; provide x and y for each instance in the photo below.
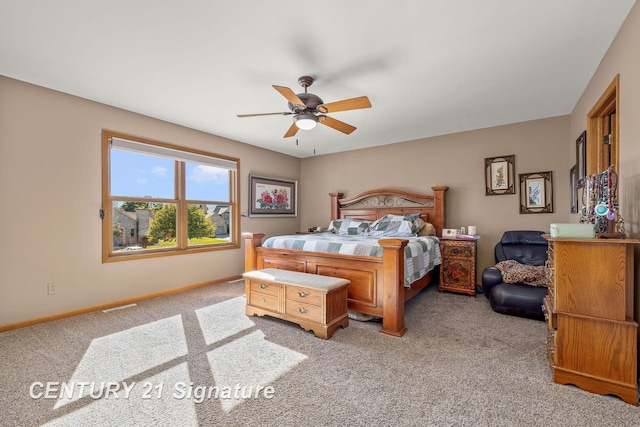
(536, 192)
(581, 157)
(499, 175)
(573, 189)
(272, 196)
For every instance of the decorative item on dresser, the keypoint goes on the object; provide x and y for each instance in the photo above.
(458, 267)
(600, 204)
(592, 340)
(378, 283)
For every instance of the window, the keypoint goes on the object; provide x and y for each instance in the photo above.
(172, 200)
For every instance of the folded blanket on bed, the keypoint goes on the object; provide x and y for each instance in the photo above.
(421, 254)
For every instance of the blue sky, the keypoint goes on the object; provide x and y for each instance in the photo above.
(139, 175)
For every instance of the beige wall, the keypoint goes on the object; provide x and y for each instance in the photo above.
(50, 187)
(457, 161)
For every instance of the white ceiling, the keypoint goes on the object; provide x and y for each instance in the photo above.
(429, 67)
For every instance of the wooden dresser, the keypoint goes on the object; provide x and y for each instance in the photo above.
(592, 339)
(458, 267)
(315, 302)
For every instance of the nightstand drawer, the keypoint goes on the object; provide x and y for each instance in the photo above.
(466, 251)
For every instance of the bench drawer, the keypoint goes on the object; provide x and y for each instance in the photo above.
(312, 313)
(266, 301)
(304, 295)
(265, 287)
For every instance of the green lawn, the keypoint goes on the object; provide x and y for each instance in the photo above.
(195, 241)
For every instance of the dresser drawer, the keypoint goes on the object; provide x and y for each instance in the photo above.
(265, 287)
(266, 301)
(304, 295)
(312, 313)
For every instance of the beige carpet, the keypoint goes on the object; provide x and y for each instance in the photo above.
(196, 359)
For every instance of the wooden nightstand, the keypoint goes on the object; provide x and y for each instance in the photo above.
(458, 268)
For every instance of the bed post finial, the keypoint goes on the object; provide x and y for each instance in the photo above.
(335, 205)
(439, 207)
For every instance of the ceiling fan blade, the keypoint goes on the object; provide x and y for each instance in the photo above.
(292, 131)
(284, 113)
(347, 104)
(290, 95)
(336, 124)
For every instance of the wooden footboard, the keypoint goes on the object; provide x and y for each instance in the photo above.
(377, 285)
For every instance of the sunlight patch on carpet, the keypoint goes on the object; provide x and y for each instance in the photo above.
(223, 320)
(250, 361)
(162, 409)
(122, 355)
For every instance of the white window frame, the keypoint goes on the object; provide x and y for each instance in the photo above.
(180, 155)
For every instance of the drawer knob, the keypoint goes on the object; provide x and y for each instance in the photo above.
(303, 294)
(263, 286)
(263, 300)
(303, 310)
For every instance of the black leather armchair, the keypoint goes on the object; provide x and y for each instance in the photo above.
(516, 299)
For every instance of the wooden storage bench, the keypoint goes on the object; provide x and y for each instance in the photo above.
(317, 303)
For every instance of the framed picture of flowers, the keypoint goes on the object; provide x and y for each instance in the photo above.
(272, 196)
(499, 175)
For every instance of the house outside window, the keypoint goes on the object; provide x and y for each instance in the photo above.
(171, 199)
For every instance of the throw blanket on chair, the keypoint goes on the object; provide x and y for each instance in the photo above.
(514, 272)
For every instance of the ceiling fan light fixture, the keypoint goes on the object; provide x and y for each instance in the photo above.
(305, 121)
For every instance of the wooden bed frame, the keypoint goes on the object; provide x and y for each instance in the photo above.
(377, 284)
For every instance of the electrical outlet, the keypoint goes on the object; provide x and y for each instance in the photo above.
(52, 288)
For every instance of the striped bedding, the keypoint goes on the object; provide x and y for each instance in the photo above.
(421, 254)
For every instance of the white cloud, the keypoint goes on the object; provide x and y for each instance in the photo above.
(203, 174)
(159, 171)
(142, 180)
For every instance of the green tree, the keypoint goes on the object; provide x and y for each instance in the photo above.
(133, 206)
(199, 224)
(163, 224)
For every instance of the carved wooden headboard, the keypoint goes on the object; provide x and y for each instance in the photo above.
(375, 204)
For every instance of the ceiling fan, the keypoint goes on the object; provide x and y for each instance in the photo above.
(309, 109)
